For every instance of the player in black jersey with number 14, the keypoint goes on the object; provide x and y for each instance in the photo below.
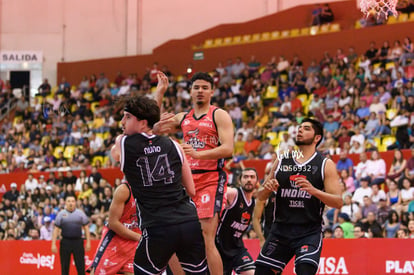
(305, 181)
(161, 182)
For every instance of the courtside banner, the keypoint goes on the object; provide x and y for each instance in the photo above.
(360, 256)
(342, 256)
(35, 257)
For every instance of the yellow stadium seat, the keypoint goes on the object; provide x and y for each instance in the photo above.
(335, 27)
(227, 40)
(88, 96)
(304, 31)
(265, 36)
(273, 138)
(208, 43)
(324, 28)
(403, 17)
(54, 90)
(105, 160)
(280, 134)
(285, 34)
(237, 39)
(411, 17)
(153, 89)
(97, 158)
(314, 30)
(392, 20)
(57, 151)
(69, 150)
(389, 65)
(100, 135)
(247, 38)
(256, 37)
(106, 135)
(303, 98)
(218, 42)
(244, 116)
(16, 119)
(274, 109)
(358, 24)
(271, 92)
(94, 105)
(275, 35)
(26, 151)
(388, 140)
(391, 113)
(294, 32)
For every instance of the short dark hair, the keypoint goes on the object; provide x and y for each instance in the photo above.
(202, 76)
(317, 127)
(249, 169)
(143, 108)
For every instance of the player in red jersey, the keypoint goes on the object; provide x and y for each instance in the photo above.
(208, 140)
(116, 250)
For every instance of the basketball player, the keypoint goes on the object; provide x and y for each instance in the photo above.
(234, 222)
(160, 179)
(263, 217)
(208, 139)
(116, 250)
(305, 181)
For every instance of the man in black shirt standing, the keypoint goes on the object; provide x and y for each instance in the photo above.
(305, 181)
(161, 182)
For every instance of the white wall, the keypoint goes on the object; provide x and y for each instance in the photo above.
(73, 30)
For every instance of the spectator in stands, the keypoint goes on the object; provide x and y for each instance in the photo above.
(359, 232)
(344, 163)
(350, 208)
(338, 232)
(392, 225)
(347, 180)
(265, 149)
(383, 211)
(252, 144)
(377, 194)
(12, 194)
(316, 15)
(372, 226)
(393, 195)
(345, 223)
(31, 183)
(377, 168)
(101, 81)
(368, 206)
(44, 88)
(362, 191)
(397, 167)
(46, 229)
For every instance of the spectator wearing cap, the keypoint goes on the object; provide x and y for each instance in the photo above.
(12, 194)
(46, 229)
(346, 225)
(362, 191)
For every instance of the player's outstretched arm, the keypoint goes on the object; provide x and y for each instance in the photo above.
(168, 124)
(257, 216)
(162, 86)
(187, 177)
(116, 209)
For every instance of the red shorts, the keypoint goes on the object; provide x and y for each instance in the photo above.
(114, 254)
(210, 189)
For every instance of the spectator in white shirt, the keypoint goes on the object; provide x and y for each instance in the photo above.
(376, 168)
(362, 191)
(31, 183)
(377, 194)
(46, 229)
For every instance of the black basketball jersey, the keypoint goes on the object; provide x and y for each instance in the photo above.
(152, 166)
(295, 206)
(234, 222)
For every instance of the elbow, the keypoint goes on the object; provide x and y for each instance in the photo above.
(228, 152)
(338, 203)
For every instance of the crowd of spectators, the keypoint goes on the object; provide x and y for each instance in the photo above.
(350, 93)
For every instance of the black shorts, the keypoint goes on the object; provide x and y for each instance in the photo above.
(158, 244)
(242, 261)
(278, 250)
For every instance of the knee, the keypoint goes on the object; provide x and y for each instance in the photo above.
(306, 269)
